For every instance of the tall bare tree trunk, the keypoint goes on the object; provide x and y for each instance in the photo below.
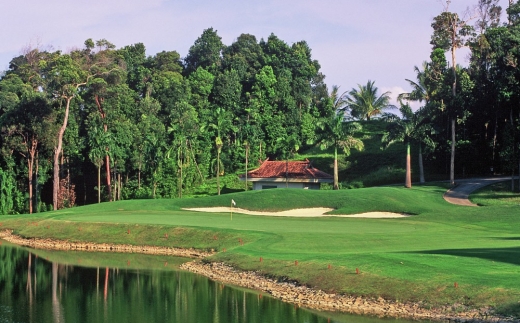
(139, 175)
(453, 117)
(119, 187)
(452, 157)
(109, 182)
(218, 171)
(99, 183)
(247, 151)
(195, 161)
(57, 152)
(102, 112)
(408, 179)
(30, 163)
(180, 177)
(36, 188)
(336, 184)
(513, 151)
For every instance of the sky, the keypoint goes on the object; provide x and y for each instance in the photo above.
(353, 40)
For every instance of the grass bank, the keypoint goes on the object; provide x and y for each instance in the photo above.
(420, 258)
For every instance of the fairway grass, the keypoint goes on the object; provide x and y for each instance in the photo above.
(419, 258)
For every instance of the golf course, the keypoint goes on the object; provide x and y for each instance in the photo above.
(438, 255)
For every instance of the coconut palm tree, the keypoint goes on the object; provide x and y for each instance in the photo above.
(339, 134)
(338, 100)
(411, 127)
(420, 91)
(364, 103)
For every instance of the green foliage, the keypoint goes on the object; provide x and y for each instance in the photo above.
(365, 103)
(7, 187)
(270, 94)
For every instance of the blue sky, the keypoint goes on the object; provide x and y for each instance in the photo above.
(354, 40)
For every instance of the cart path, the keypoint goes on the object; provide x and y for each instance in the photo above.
(460, 193)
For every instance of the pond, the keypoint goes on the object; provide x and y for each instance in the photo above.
(54, 286)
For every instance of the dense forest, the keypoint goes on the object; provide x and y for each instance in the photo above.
(101, 123)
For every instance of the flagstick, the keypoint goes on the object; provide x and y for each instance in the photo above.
(231, 208)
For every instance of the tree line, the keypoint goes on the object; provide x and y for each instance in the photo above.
(130, 126)
(100, 123)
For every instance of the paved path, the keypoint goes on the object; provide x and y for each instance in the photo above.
(459, 194)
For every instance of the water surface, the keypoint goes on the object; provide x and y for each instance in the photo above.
(56, 286)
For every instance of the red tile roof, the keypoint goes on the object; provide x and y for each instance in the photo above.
(294, 169)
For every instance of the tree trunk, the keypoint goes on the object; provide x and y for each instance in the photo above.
(408, 177)
(421, 167)
(494, 144)
(36, 188)
(139, 175)
(452, 158)
(99, 183)
(195, 161)
(454, 115)
(119, 187)
(218, 171)
(30, 163)
(513, 150)
(180, 178)
(109, 182)
(57, 152)
(247, 151)
(154, 188)
(335, 184)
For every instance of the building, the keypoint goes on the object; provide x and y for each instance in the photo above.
(290, 174)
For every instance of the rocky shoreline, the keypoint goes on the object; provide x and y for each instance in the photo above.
(53, 244)
(289, 292)
(320, 300)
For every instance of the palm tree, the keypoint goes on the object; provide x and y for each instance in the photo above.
(339, 134)
(222, 123)
(98, 142)
(364, 102)
(411, 127)
(338, 100)
(420, 91)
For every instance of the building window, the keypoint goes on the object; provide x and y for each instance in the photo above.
(266, 187)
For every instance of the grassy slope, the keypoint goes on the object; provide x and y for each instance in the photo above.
(415, 258)
(372, 166)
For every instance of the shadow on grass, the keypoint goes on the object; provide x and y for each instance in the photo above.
(508, 239)
(227, 190)
(495, 195)
(505, 255)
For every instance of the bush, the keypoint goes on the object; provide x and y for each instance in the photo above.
(353, 184)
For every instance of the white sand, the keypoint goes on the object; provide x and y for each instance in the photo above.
(311, 212)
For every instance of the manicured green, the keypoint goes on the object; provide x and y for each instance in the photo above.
(418, 258)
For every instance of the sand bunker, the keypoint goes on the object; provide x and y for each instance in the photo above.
(311, 212)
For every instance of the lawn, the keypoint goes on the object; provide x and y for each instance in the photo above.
(418, 258)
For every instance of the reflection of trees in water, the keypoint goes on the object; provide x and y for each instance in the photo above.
(64, 293)
(57, 311)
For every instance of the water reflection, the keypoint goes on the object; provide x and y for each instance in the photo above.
(36, 287)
